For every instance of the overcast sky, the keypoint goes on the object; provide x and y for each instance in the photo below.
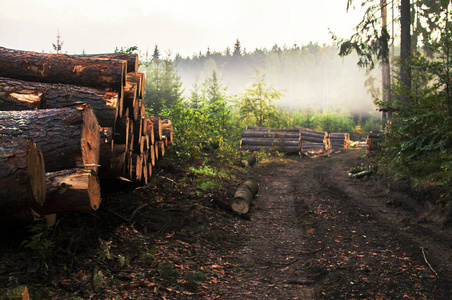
(182, 26)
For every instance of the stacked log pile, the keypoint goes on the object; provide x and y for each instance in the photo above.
(313, 140)
(373, 142)
(67, 122)
(262, 138)
(340, 141)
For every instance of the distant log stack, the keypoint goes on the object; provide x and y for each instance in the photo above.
(85, 117)
(340, 141)
(313, 140)
(373, 141)
(260, 138)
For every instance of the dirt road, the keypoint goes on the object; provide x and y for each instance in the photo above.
(316, 234)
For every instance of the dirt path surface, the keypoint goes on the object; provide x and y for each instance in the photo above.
(312, 233)
(316, 234)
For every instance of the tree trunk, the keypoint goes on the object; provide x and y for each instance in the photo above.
(71, 190)
(22, 174)
(101, 73)
(68, 137)
(243, 197)
(405, 47)
(25, 95)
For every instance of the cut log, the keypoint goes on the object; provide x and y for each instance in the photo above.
(69, 137)
(243, 197)
(118, 162)
(130, 58)
(270, 142)
(167, 130)
(72, 190)
(24, 95)
(22, 174)
(157, 126)
(130, 99)
(151, 154)
(264, 134)
(101, 73)
(161, 148)
(105, 150)
(286, 149)
(148, 129)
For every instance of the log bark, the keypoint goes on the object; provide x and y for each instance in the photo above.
(130, 58)
(286, 149)
(148, 129)
(264, 134)
(270, 142)
(157, 126)
(101, 73)
(243, 197)
(22, 174)
(72, 190)
(24, 95)
(167, 130)
(69, 137)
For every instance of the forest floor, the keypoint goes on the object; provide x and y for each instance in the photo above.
(312, 233)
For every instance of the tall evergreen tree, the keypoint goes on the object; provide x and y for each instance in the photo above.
(237, 49)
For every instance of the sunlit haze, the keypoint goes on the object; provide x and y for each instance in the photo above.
(181, 26)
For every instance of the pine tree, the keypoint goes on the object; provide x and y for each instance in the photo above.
(59, 43)
(237, 49)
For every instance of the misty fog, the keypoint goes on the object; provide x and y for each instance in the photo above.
(311, 76)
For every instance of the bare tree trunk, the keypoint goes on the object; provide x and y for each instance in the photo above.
(405, 47)
(385, 69)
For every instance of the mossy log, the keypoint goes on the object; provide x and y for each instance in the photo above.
(243, 197)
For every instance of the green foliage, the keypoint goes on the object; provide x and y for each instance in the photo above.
(129, 50)
(419, 141)
(201, 123)
(167, 272)
(256, 105)
(163, 87)
(40, 242)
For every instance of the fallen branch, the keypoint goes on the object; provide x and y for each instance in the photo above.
(425, 258)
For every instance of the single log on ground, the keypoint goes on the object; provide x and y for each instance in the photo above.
(72, 190)
(101, 73)
(265, 134)
(22, 174)
(132, 59)
(24, 95)
(69, 137)
(243, 197)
